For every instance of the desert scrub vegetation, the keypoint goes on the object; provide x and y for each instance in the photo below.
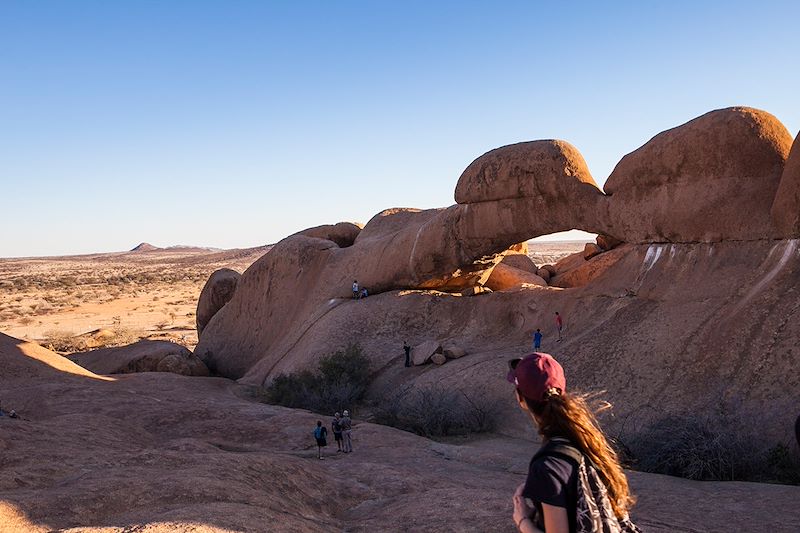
(436, 411)
(711, 448)
(339, 382)
(67, 342)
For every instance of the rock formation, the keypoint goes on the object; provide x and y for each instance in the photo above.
(711, 179)
(689, 186)
(217, 291)
(142, 356)
(786, 207)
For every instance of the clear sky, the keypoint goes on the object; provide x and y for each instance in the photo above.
(234, 123)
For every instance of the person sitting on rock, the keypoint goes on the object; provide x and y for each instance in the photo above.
(336, 427)
(355, 290)
(364, 292)
(320, 434)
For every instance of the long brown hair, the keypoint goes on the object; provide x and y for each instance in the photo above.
(569, 416)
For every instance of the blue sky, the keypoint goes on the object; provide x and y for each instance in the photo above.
(234, 124)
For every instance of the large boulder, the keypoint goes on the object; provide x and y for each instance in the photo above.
(713, 178)
(607, 242)
(506, 277)
(520, 261)
(590, 250)
(217, 291)
(422, 353)
(344, 234)
(548, 168)
(142, 356)
(786, 206)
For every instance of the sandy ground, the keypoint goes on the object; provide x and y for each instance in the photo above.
(62, 302)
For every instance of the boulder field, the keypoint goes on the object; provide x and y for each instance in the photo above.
(686, 304)
(161, 452)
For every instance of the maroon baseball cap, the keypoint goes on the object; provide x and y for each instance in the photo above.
(535, 374)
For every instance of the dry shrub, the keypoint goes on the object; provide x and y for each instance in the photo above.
(712, 448)
(437, 411)
(63, 341)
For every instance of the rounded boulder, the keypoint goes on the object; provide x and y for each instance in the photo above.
(711, 179)
(217, 292)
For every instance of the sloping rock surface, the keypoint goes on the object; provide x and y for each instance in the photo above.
(167, 453)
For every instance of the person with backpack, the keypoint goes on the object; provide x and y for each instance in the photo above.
(336, 426)
(575, 482)
(321, 435)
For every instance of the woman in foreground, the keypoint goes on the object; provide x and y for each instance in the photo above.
(575, 481)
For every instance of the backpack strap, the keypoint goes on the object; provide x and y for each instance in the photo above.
(558, 447)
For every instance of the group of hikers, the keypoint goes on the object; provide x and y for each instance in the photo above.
(359, 292)
(537, 335)
(342, 428)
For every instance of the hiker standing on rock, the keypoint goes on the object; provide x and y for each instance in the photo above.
(336, 426)
(575, 480)
(320, 434)
(407, 349)
(559, 325)
(355, 290)
(537, 340)
(347, 426)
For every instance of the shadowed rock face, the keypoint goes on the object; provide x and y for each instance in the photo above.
(217, 291)
(786, 207)
(711, 179)
(142, 356)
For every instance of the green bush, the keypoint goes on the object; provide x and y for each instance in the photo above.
(340, 382)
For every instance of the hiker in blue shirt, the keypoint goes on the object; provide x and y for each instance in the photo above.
(537, 340)
(321, 434)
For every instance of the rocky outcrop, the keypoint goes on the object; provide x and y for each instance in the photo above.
(550, 169)
(506, 277)
(505, 197)
(607, 242)
(344, 234)
(590, 250)
(422, 353)
(217, 291)
(711, 179)
(520, 261)
(786, 207)
(142, 356)
(453, 351)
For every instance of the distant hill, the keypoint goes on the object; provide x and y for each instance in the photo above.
(145, 247)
